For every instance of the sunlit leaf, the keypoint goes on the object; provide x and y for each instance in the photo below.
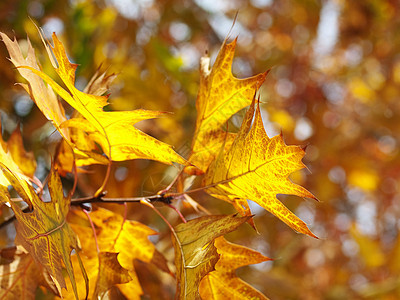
(257, 168)
(113, 131)
(20, 162)
(44, 232)
(42, 94)
(128, 238)
(20, 278)
(195, 253)
(223, 282)
(25, 160)
(220, 96)
(110, 274)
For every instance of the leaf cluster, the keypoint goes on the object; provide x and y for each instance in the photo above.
(234, 167)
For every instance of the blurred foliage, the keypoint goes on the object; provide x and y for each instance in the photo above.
(333, 86)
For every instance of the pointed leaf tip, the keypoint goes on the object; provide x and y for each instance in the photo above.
(196, 237)
(257, 167)
(220, 96)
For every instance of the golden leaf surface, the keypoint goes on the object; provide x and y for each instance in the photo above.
(20, 162)
(128, 238)
(195, 253)
(223, 282)
(46, 100)
(220, 96)
(257, 167)
(98, 85)
(110, 274)
(113, 131)
(20, 278)
(25, 160)
(40, 93)
(44, 232)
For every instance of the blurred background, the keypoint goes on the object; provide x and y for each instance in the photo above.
(333, 87)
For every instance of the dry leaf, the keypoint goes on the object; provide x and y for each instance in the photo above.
(195, 253)
(257, 168)
(220, 96)
(113, 131)
(129, 239)
(99, 84)
(42, 94)
(25, 160)
(44, 232)
(223, 282)
(110, 274)
(17, 160)
(20, 278)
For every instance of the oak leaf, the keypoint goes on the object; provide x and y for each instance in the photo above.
(40, 93)
(20, 162)
(110, 274)
(220, 96)
(223, 282)
(195, 253)
(44, 232)
(113, 131)
(20, 278)
(114, 234)
(257, 167)
(46, 100)
(25, 160)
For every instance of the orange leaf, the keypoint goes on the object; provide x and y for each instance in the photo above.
(220, 96)
(195, 253)
(223, 282)
(257, 168)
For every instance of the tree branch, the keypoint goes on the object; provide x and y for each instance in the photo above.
(101, 199)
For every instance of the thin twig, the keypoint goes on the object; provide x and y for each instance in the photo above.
(164, 191)
(75, 171)
(94, 230)
(149, 204)
(101, 199)
(178, 212)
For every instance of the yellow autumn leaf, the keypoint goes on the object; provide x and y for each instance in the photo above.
(98, 85)
(220, 96)
(20, 162)
(20, 278)
(44, 232)
(223, 282)
(110, 274)
(41, 94)
(25, 160)
(113, 131)
(257, 167)
(47, 101)
(128, 238)
(195, 253)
